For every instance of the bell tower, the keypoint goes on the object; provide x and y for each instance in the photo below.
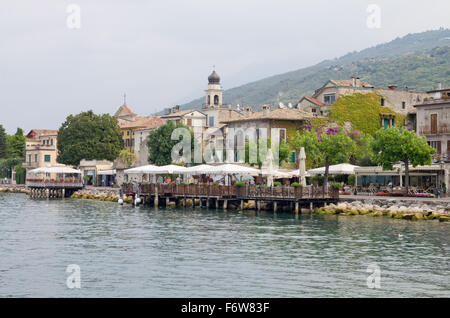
(214, 91)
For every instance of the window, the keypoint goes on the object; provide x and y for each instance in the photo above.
(29, 158)
(329, 98)
(122, 133)
(216, 100)
(434, 123)
(35, 158)
(282, 134)
(211, 121)
(47, 158)
(313, 110)
(51, 142)
(382, 102)
(132, 142)
(128, 132)
(189, 122)
(403, 105)
(293, 157)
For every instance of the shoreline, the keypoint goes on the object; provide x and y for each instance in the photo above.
(397, 208)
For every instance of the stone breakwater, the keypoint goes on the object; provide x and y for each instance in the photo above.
(14, 188)
(101, 194)
(398, 209)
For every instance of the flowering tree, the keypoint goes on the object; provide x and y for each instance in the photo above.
(326, 146)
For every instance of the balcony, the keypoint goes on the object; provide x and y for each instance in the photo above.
(426, 130)
(30, 165)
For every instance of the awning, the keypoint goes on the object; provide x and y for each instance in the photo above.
(55, 169)
(342, 168)
(106, 172)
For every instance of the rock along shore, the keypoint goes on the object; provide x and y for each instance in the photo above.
(397, 209)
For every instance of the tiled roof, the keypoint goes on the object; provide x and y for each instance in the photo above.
(180, 113)
(43, 132)
(276, 114)
(125, 109)
(143, 122)
(315, 101)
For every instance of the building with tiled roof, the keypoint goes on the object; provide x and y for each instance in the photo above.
(40, 148)
(399, 100)
(280, 123)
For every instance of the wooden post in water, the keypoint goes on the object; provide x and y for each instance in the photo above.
(242, 205)
(274, 206)
(225, 204)
(156, 196)
(296, 207)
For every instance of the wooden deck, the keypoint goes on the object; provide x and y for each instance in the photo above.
(221, 195)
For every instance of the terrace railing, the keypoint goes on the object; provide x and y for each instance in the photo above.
(248, 191)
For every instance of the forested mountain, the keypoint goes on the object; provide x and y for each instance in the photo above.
(418, 61)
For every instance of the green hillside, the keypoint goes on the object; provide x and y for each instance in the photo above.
(418, 61)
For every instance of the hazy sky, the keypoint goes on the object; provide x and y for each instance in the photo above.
(161, 52)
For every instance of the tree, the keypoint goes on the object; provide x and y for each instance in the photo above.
(160, 143)
(3, 143)
(310, 141)
(127, 157)
(89, 136)
(336, 147)
(393, 145)
(16, 144)
(328, 147)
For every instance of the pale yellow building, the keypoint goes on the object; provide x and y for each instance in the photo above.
(41, 148)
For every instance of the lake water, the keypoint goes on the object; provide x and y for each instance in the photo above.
(143, 252)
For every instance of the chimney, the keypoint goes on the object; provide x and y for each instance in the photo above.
(439, 86)
(353, 81)
(266, 109)
(176, 108)
(357, 82)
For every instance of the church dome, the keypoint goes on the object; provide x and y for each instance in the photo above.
(214, 78)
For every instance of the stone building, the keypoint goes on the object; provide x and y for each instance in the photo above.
(280, 123)
(433, 121)
(399, 100)
(194, 119)
(135, 128)
(40, 148)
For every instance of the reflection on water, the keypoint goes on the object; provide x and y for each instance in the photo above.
(143, 252)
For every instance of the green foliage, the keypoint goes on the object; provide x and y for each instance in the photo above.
(308, 140)
(295, 184)
(415, 60)
(239, 184)
(6, 166)
(89, 136)
(335, 185)
(351, 179)
(16, 144)
(362, 154)
(127, 157)
(392, 145)
(160, 144)
(362, 110)
(277, 184)
(20, 174)
(3, 143)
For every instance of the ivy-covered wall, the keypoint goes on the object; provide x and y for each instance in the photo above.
(363, 111)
